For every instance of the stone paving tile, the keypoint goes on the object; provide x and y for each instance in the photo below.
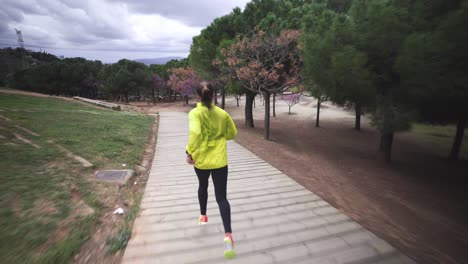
(274, 219)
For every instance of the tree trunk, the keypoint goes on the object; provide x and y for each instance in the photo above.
(386, 143)
(237, 98)
(317, 119)
(266, 101)
(253, 101)
(186, 100)
(152, 95)
(249, 101)
(223, 98)
(455, 152)
(126, 98)
(289, 110)
(357, 124)
(274, 104)
(216, 97)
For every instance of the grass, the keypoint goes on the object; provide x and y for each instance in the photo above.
(37, 183)
(119, 240)
(440, 139)
(77, 126)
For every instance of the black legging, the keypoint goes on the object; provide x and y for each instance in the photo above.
(220, 182)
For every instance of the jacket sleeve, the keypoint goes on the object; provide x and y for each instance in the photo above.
(231, 130)
(194, 133)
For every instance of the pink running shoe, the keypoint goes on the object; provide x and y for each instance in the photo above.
(203, 220)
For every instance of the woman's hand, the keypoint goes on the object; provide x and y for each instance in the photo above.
(190, 160)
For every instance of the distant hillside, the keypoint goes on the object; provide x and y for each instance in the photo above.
(15, 59)
(162, 60)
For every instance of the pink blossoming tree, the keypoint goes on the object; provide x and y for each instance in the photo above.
(157, 84)
(267, 64)
(291, 99)
(183, 81)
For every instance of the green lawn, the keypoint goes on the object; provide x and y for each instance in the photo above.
(440, 138)
(36, 184)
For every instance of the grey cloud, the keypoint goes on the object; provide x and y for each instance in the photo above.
(88, 34)
(104, 26)
(193, 13)
(74, 4)
(89, 20)
(77, 23)
(11, 14)
(24, 6)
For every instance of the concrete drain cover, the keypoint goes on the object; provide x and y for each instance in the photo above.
(120, 176)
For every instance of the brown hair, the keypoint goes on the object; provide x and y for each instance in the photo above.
(205, 92)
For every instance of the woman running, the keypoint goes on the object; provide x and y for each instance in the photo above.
(210, 128)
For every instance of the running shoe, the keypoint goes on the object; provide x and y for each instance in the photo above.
(229, 251)
(203, 220)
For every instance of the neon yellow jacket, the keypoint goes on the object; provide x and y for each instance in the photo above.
(209, 131)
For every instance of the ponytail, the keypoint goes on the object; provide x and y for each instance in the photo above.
(205, 92)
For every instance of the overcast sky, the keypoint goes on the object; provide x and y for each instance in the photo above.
(109, 30)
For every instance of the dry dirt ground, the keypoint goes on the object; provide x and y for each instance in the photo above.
(418, 203)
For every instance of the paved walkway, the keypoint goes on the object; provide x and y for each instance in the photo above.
(274, 219)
